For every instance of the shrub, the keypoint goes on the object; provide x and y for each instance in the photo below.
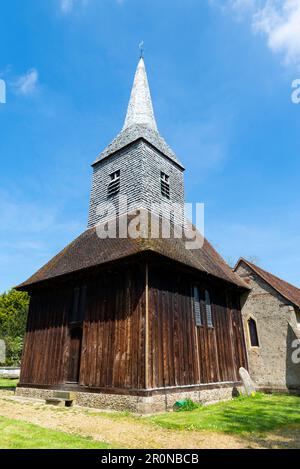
(13, 316)
(14, 346)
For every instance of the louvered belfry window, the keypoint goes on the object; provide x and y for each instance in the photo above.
(114, 184)
(208, 310)
(165, 185)
(197, 308)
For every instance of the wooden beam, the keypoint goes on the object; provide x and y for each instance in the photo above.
(147, 326)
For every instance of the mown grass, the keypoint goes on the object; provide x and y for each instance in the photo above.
(16, 434)
(8, 383)
(249, 417)
(243, 415)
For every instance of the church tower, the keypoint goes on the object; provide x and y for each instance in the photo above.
(133, 323)
(138, 163)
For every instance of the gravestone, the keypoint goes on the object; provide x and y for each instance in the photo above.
(2, 351)
(247, 382)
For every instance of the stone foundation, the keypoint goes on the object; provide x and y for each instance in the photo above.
(273, 389)
(138, 404)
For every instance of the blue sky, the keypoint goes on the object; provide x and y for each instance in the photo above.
(220, 74)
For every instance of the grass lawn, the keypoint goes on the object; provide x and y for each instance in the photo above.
(259, 414)
(16, 434)
(8, 383)
(265, 421)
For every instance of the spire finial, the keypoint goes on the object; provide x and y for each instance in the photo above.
(141, 47)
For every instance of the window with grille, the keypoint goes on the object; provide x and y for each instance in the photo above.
(165, 185)
(208, 310)
(78, 305)
(114, 184)
(197, 308)
(253, 332)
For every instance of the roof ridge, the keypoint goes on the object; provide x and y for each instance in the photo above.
(284, 288)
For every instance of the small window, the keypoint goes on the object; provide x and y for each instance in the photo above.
(208, 309)
(197, 309)
(78, 305)
(253, 333)
(114, 184)
(165, 185)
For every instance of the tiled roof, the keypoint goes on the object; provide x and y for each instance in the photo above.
(285, 289)
(88, 250)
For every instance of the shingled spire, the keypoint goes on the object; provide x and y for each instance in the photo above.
(137, 162)
(140, 109)
(140, 122)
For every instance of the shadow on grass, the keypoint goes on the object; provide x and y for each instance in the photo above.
(284, 438)
(256, 415)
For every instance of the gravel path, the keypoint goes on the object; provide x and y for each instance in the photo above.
(127, 431)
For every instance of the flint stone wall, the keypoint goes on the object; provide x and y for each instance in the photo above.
(270, 364)
(137, 404)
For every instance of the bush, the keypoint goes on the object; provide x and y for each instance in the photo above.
(13, 317)
(14, 346)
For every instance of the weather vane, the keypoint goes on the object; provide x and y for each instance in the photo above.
(141, 46)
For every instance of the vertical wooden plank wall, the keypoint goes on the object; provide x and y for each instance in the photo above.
(115, 347)
(172, 349)
(113, 353)
(44, 357)
(175, 341)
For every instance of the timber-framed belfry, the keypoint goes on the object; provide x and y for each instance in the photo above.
(134, 323)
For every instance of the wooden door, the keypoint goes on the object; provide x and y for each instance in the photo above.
(75, 354)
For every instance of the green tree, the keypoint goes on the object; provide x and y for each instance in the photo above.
(13, 317)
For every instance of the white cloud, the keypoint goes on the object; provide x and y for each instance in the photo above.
(27, 83)
(277, 20)
(280, 22)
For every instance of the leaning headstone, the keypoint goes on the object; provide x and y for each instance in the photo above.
(247, 382)
(2, 351)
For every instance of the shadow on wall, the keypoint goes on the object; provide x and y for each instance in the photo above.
(292, 367)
